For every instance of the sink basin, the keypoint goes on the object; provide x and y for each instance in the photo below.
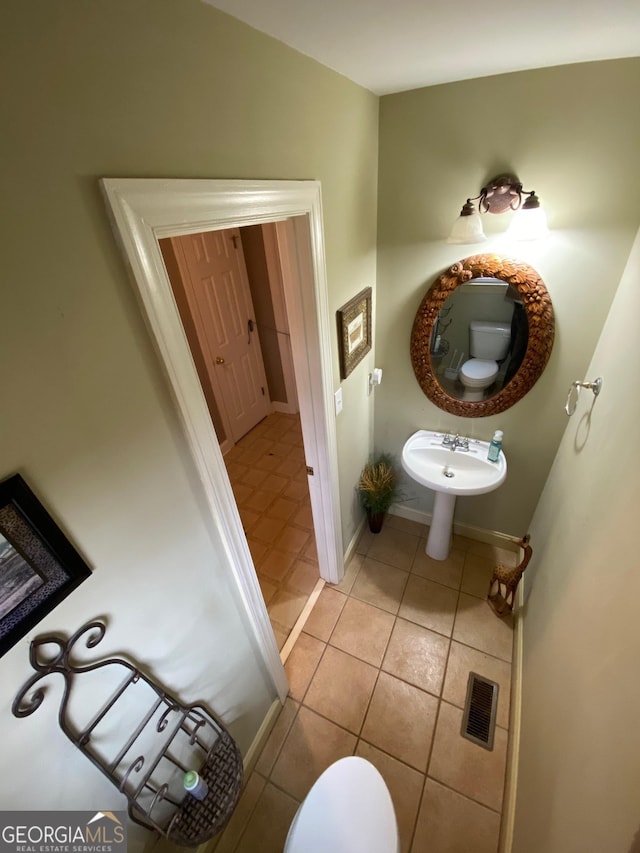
(449, 473)
(456, 472)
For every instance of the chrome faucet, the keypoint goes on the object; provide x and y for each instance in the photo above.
(455, 441)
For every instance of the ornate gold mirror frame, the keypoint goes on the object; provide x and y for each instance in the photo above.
(539, 311)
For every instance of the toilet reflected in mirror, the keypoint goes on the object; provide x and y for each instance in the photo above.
(488, 346)
(481, 345)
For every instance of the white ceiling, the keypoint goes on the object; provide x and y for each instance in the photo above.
(393, 45)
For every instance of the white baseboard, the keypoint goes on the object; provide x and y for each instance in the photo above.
(351, 547)
(285, 408)
(515, 721)
(491, 537)
(260, 739)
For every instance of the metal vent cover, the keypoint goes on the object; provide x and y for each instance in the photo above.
(480, 707)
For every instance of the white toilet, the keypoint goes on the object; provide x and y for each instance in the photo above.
(348, 810)
(488, 344)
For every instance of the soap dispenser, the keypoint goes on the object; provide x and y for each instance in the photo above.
(495, 446)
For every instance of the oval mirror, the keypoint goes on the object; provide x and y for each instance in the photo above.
(482, 335)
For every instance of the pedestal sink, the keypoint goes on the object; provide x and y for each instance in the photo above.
(449, 471)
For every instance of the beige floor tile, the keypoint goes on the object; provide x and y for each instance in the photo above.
(477, 626)
(341, 689)
(254, 477)
(258, 550)
(286, 606)
(295, 490)
(277, 737)
(280, 633)
(451, 823)
(380, 584)
(303, 518)
(303, 577)
(394, 547)
(430, 604)
(252, 790)
(365, 540)
(401, 720)
(269, 824)
(261, 444)
(462, 661)
(297, 452)
(269, 462)
(268, 588)
(301, 664)
(325, 613)
(275, 483)
(235, 471)
(310, 551)
(282, 508)
(462, 542)
(248, 517)
(267, 530)
(282, 449)
(259, 500)
(495, 553)
(417, 528)
(447, 572)
(477, 575)
(363, 631)
(417, 655)
(350, 574)
(249, 456)
(404, 784)
(464, 766)
(292, 539)
(288, 468)
(276, 564)
(312, 745)
(243, 494)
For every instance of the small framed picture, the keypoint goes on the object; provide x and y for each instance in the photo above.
(38, 565)
(354, 331)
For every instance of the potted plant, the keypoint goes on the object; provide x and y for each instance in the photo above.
(377, 488)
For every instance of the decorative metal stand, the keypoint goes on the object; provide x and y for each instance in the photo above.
(505, 580)
(151, 753)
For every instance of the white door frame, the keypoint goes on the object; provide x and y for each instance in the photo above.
(144, 210)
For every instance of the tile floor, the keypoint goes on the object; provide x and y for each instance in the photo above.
(380, 671)
(268, 476)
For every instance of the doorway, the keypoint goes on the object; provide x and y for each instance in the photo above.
(146, 210)
(228, 288)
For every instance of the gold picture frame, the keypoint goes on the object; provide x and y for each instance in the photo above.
(354, 331)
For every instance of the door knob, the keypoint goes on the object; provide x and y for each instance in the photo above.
(219, 360)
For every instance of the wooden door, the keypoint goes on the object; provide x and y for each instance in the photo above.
(217, 289)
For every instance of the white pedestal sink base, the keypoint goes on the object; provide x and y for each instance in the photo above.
(439, 539)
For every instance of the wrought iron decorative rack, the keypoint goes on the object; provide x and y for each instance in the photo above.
(165, 739)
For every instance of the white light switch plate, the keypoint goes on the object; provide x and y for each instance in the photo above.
(338, 400)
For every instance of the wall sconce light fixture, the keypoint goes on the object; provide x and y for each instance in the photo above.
(499, 195)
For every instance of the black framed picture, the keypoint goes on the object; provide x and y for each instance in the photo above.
(354, 331)
(38, 565)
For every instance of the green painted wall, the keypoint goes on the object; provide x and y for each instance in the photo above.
(145, 88)
(572, 134)
(578, 773)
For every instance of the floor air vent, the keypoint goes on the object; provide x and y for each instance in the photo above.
(479, 718)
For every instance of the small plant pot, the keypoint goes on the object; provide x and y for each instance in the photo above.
(375, 521)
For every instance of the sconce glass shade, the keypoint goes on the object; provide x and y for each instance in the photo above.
(528, 223)
(467, 229)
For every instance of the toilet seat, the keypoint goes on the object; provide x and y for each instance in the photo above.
(348, 810)
(479, 372)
